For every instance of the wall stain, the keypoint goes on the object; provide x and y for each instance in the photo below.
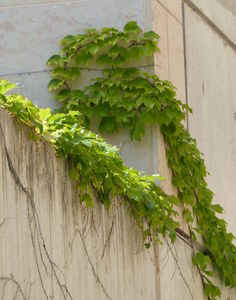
(235, 116)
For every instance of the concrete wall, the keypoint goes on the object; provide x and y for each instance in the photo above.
(52, 248)
(211, 73)
(30, 31)
(50, 243)
(210, 34)
(178, 278)
(198, 55)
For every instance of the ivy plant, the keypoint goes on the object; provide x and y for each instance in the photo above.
(125, 96)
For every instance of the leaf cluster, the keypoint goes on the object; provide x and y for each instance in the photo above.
(189, 173)
(125, 97)
(96, 166)
(108, 47)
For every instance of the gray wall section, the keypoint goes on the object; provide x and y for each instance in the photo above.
(30, 32)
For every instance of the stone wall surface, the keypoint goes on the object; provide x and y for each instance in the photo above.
(197, 41)
(211, 73)
(211, 92)
(175, 261)
(222, 13)
(52, 248)
(29, 34)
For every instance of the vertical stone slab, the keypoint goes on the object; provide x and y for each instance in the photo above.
(178, 278)
(174, 7)
(211, 65)
(176, 55)
(211, 68)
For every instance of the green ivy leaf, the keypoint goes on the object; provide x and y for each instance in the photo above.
(132, 27)
(137, 131)
(217, 208)
(151, 35)
(44, 113)
(54, 84)
(56, 60)
(104, 59)
(188, 215)
(68, 40)
(6, 86)
(107, 124)
(68, 73)
(202, 260)
(87, 199)
(212, 291)
(63, 95)
(83, 57)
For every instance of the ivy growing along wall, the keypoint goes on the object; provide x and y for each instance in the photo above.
(125, 97)
(58, 248)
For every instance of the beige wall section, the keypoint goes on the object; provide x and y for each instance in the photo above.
(169, 63)
(211, 66)
(211, 85)
(211, 73)
(178, 279)
(49, 244)
(221, 12)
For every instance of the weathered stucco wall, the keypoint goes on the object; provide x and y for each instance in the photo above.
(50, 247)
(55, 245)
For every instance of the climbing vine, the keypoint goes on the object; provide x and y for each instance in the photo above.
(125, 96)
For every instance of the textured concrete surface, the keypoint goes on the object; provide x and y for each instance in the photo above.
(55, 249)
(222, 13)
(211, 69)
(30, 32)
(211, 92)
(51, 244)
(178, 278)
(211, 73)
